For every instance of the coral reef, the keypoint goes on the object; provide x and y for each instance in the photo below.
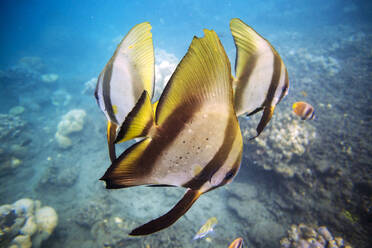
(49, 78)
(60, 98)
(71, 122)
(16, 110)
(304, 236)
(282, 144)
(12, 144)
(31, 63)
(26, 224)
(57, 177)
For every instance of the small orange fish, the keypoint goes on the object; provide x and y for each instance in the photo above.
(304, 110)
(237, 243)
(303, 93)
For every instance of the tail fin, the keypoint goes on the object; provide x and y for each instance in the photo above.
(139, 121)
(169, 218)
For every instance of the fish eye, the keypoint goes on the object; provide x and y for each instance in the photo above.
(229, 175)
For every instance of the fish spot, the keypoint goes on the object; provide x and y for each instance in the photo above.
(180, 157)
(183, 141)
(206, 138)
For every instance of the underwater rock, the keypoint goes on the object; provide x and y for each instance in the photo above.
(259, 233)
(281, 147)
(89, 214)
(304, 236)
(60, 98)
(11, 148)
(49, 78)
(112, 232)
(243, 191)
(249, 211)
(32, 63)
(57, 177)
(71, 122)
(26, 224)
(10, 127)
(16, 110)
(46, 220)
(22, 241)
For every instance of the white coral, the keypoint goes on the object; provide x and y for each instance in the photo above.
(71, 122)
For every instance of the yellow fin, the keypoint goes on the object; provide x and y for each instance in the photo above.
(138, 122)
(203, 74)
(124, 171)
(248, 43)
(111, 134)
(139, 47)
(154, 106)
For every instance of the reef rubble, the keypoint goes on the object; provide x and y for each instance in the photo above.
(26, 224)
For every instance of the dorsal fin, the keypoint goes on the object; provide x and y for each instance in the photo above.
(204, 73)
(139, 47)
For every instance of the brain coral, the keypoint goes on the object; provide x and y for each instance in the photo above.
(282, 144)
(71, 122)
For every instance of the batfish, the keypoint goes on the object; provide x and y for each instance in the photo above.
(193, 138)
(261, 79)
(129, 72)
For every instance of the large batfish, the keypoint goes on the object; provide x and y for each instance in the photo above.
(193, 139)
(128, 73)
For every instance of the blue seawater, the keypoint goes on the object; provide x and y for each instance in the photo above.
(317, 173)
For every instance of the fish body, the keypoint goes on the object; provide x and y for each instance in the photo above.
(261, 79)
(193, 140)
(206, 228)
(304, 110)
(128, 73)
(237, 243)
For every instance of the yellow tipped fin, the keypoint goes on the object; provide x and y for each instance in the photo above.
(139, 121)
(203, 74)
(124, 171)
(139, 47)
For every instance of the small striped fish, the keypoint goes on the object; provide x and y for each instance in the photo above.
(304, 110)
(237, 243)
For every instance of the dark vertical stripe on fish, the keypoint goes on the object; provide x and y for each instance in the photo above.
(240, 87)
(106, 92)
(274, 80)
(285, 87)
(167, 132)
(219, 158)
(308, 112)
